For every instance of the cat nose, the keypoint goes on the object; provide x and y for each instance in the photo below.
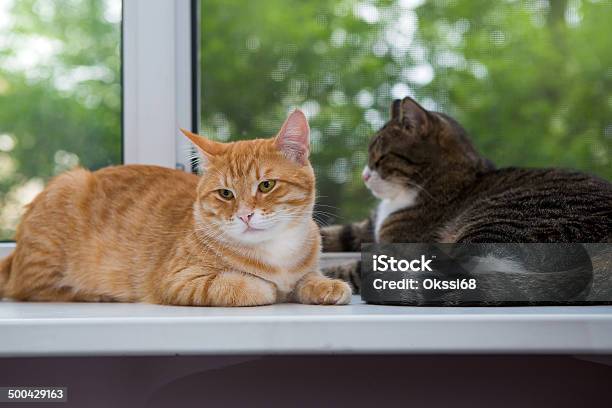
(246, 218)
(366, 174)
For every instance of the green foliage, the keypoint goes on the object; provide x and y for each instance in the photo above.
(530, 80)
(60, 96)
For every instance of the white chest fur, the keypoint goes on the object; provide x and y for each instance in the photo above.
(285, 252)
(390, 205)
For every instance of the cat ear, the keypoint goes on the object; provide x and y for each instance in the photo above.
(208, 148)
(293, 140)
(396, 109)
(413, 115)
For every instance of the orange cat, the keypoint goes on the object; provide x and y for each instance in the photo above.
(242, 234)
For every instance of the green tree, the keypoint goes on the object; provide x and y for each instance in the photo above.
(529, 80)
(60, 95)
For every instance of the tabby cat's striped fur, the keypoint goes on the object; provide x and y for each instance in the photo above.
(435, 187)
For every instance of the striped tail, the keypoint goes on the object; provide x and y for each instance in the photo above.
(347, 238)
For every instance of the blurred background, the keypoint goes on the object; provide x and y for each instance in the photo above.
(531, 81)
(60, 94)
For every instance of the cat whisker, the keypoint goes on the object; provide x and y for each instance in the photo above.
(421, 188)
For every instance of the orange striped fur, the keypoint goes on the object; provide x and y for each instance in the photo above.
(150, 234)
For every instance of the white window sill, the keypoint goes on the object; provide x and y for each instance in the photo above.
(92, 329)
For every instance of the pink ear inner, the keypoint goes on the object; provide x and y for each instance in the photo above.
(294, 137)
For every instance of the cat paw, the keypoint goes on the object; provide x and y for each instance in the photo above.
(240, 289)
(325, 292)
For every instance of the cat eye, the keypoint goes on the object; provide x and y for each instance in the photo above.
(406, 159)
(225, 193)
(266, 186)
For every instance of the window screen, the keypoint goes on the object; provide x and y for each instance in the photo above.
(60, 94)
(531, 81)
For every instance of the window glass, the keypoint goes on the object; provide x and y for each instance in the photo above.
(60, 94)
(530, 80)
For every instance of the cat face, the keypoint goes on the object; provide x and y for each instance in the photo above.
(415, 148)
(252, 191)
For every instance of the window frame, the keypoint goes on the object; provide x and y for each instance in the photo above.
(156, 103)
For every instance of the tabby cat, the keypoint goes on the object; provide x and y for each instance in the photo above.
(435, 187)
(242, 234)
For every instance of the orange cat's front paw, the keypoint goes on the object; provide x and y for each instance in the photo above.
(324, 291)
(193, 286)
(240, 289)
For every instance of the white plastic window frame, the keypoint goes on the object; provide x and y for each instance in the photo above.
(159, 83)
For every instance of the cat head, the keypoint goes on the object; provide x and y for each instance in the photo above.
(253, 190)
(417, 148)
